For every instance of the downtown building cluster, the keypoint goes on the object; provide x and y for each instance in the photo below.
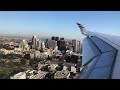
(54, 58)
(55, 43)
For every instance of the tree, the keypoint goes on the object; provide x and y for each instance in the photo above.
(45, 68)
(1, 57)
(34, 61)
(59, 68)
(5, 72)
(23, 61)
(61, 64)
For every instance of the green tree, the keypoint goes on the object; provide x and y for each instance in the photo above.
(1, 57)
(59, 68)
(5, 72)
(45, 68)
(23, 61)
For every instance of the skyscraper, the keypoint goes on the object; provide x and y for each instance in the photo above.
(52, 44)
(53, 38)
(74, 45)
(69, 46)
(78, 46)
(39, 44)
(62, 45)
(46, 43)
(58, 44)
(24, 45)
(34, 42)
(62, 38)
(56, 38)
(43, 45)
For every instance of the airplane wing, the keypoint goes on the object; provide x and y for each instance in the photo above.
(101, 55)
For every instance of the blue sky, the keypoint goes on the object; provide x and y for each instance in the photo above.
(58, 23)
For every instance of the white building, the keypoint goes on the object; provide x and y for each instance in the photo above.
(17, 49)
(39, 75)
(73, 69)
(68, 52)
(64, 67)
(43, 45)
(76, 45)
(39, 44)
(64, 74)
(34, 41)
(21, 75)
(52, 67)
(56, 52)
(40, 65)
(24, 45)
(37, 54)
(32, 55)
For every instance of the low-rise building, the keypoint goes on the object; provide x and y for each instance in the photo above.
(39, 75)
(17, 49)
(52, 67)
(38, 54)
(64, 74)
(16, 60)
(64, 67)
(68, 52)
(21, 75)
(73, 69)
(5, 51)
(40, 65)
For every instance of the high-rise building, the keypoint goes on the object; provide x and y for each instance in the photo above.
(39, 44)
(46, 43)
(52, 44)
(62, 38)
(69, 46)
(56, 38)
(24, 45)
(53, 38)
(58, 44)
(34, 41)
(62, 45)
(78, 46)
(43, 45)
(74, 45)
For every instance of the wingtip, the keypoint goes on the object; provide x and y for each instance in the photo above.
(82, 29)
(80, 25)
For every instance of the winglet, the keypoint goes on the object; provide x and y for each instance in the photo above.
(82, 28)
(80, 25)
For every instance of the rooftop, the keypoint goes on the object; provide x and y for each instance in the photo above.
(40, 75)
(18, 75)
(63, 73)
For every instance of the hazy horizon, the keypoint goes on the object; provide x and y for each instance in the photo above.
(30, 37)
(58, 23)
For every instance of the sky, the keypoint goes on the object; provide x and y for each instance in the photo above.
(58, 23)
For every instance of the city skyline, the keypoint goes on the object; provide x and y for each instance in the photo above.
(62, 54)
(58, 23)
